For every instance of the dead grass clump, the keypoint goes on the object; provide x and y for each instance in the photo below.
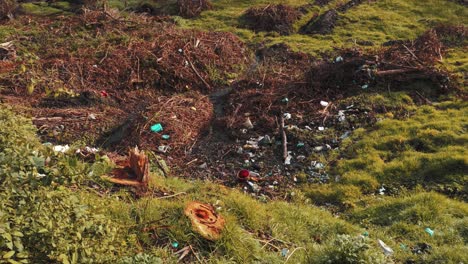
(279, 18)
(193, 8)
(7, 9)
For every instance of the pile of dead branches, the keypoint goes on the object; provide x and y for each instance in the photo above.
(7, 9)
(402, 63)
(193, 8)
(261, 94)
(183, 118)
(164, 58)
(279, 18)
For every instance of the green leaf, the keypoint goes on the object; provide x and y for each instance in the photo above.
(18, 234)
(9, 254)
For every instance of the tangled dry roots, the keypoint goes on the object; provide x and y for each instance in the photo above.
(193, 8)
(279, 18)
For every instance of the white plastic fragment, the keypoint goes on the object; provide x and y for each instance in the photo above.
(248, 124)
(318, 148)
(62, 149)
(163, 148)
(341, 116)
(321, 128)
(339, 59)
(386, 249)
(287, 161)
(324, 104)
(287, 116)
(382, 191)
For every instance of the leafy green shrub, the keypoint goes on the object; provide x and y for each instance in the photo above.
(346, 249)
(41, 220)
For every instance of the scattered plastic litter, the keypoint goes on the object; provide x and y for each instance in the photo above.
(175, 244)
(365, 233)
(287, 161)
(254, 186)
(321, 128)
(403, 246)
(382, 191)
(248, 124)
(203, 166)
(62, 149)
(319, 165)
(165, 137)
(287, 116)
(339, 59)
(163, 148)
(285, 100)
(318, 148)
(284, 252)
(92, 117)
(300, 144)
(429, 231)
(421, 248)
(243, 175)
(386, 249)
(365, 86)
(341, 116)
(104, 93)
(157, 128)
(324, 104)
(345, 135)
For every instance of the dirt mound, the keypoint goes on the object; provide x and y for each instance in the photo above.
(193, 8)
(279, 18)
(322, 24)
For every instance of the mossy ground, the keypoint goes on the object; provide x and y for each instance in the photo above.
(417, 153)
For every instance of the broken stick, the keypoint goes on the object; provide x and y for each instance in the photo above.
(284, 139)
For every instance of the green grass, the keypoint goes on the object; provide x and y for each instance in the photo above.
(378, 22)
(427, 149)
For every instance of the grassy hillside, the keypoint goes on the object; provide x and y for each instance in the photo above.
(386, 160)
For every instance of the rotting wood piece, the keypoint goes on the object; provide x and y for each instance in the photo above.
(134, 171)
(205, 220)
